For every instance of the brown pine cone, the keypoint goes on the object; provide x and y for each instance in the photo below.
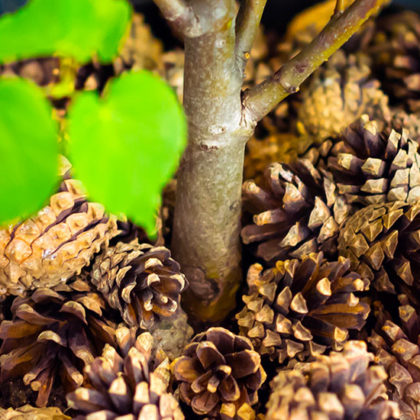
(378, 168)
(410, 122)
(338, 94)
(129, 381)
(48, 249)
(220, 375)
(397, 348)
(342, 386)
(296, 211)
(300, 308)
(395, 51)
(141, 50)
(52, 335)
(382, 243)
(27, 412)
(142, 281)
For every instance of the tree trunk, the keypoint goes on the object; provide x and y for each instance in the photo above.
(208, 202)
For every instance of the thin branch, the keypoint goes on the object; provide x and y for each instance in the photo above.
(339, 7)
(247, 24)
(181, 16)
(263, 98)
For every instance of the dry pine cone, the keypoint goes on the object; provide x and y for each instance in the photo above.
(297, 211)
(219, 375)
(54, 335)
(341, 386)
(382, 242)
(338, 94)
(302, 307)
(377, 167)
(142, 281)
(48, 249)
(129, 381)
(397, 348)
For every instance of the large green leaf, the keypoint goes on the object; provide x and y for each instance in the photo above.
(126, 146)
(28, 149)
(74, 28)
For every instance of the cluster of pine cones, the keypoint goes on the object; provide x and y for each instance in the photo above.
(91, 323)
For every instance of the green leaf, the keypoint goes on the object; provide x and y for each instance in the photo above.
(75, 28)
(126, 146)
(28, 149)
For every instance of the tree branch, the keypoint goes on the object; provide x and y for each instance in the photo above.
(181, 16)
(263, 98)
(247, 24)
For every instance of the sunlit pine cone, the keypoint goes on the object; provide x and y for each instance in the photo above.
(141, 50)
(342, 386)
(281, 147)
(219, 375)
(130, 380)
(27, 412)
(379, 167)
(42, 71)
(142, 281)
(383, 242)
(52, 336)
(300, 308)
(396, 343)
(296, 211)
(395, 51)
(54, 245)
(338, 94)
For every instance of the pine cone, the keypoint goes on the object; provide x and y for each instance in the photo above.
(338, 94)
(27, 412)
(382, 243)
(53, 335)
(297, 211)
(395, 52)
(141, 49)
(379, 168)
(142, 281)
(410, 122)
(219, 375)
(300, 308)
(397, 348)
(343, 385)
(48, 249)
(128, 381)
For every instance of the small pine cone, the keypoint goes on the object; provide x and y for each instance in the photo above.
(141, 49)
(42, 71)
(129, 381)
(220, 375)
(48, 249)
(342, 386)
(53, 335)
(379, 168)
(297, 211)
(142, 281)
(397, 348)
(27, 412)
(395, 51)
(382, 243)
(338, 94)
(300, 308)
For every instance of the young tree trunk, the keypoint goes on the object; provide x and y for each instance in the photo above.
(208, 202)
